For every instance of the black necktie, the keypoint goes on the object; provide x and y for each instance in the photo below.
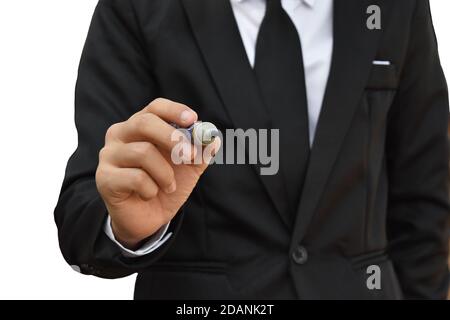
(280, 74)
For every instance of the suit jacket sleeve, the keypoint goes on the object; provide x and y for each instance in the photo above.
(417, 159)
(114, 82)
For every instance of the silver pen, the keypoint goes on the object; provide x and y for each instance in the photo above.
(200, 133)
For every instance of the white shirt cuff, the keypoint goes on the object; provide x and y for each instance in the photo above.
(153, 243)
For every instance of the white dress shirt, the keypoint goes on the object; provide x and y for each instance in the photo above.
(314, 22)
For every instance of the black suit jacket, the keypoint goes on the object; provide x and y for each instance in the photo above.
(376, 187)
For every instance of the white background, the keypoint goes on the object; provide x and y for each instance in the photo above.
(40, 47)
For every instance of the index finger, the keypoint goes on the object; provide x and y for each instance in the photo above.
(171, 112)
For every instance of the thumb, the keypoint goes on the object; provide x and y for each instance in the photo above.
(208, 153)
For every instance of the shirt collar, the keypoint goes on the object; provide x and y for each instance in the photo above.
(309, 3)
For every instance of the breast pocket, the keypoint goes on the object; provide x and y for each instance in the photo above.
(380, 92)
(383, 77)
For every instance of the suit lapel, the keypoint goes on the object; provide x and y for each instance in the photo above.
(218, 37)
(354, 50)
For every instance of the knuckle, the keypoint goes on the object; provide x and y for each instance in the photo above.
(142, 122)
(155, 105)
(103, 154)
(158, 102)
(144, 150)
(152, 192)
(112, 131)
(99, 174)
(101, 177)
(139, 179)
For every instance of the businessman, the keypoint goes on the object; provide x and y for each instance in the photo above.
(359, 207)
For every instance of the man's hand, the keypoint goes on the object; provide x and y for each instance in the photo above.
(140, 185)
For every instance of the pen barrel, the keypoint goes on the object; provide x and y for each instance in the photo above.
(200, 133)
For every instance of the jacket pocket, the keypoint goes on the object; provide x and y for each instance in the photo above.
(367, 259)
(184, 281)
(390, 288)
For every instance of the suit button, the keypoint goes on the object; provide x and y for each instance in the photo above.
(300, 255)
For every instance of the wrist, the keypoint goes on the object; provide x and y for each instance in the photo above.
(130, 242)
